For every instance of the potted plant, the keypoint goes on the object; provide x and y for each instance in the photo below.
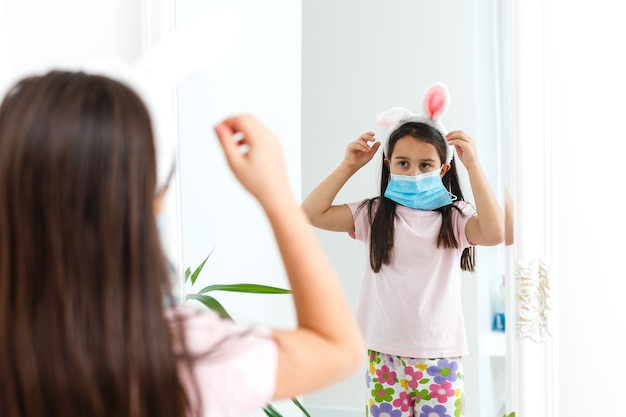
(203, 296)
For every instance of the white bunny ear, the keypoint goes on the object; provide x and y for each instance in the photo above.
(194, 46)
(436, 100)
(393, 115)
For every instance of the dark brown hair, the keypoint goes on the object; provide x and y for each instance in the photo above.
(383, 218)
(82, 275)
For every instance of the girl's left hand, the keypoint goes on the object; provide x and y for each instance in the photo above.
(465, 147)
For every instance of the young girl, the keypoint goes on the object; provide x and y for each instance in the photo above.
(419, 233)
(83, 327)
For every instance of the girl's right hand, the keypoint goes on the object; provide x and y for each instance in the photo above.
(254, 155)
(360, 152)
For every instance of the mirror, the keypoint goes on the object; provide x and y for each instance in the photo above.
(358, 59)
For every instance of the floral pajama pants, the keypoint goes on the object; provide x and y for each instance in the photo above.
(407, 387)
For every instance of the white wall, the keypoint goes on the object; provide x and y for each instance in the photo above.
(70, 32)
(360, 58)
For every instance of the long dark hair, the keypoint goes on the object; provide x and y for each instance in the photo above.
(383, 218)
(82, 274)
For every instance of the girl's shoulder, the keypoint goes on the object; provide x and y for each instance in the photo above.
(465, 208)
(365, 206)
(203, 329)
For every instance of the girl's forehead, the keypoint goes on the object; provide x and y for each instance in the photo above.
(409, 146)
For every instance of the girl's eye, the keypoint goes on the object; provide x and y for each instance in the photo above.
(425, 165)
(404, 163)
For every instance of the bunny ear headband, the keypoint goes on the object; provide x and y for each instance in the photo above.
(436, 100)
(194, 46)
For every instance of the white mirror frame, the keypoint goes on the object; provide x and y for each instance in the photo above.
(532, 382)
(157, 21)
(533, 369)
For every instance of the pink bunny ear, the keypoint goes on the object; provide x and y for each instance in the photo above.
(436, 100)
(392, 116)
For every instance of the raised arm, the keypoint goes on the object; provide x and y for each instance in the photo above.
(327, 344)
(318, 205)
(487, 228)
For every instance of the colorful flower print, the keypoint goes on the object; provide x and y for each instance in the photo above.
(399, 386)
(404, 401)
(436, 411)
(372, 368)
(441, 391)
(386, 376)
(417, 363)
(459, 406)
(413, 377)
(381, 394)
(444, 371)
(421, 395)
(385, 410)
(374, 356)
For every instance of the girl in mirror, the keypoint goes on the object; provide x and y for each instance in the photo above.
(84, 330)
(419, 233)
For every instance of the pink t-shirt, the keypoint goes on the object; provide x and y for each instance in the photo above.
(412, 307)
(234, 367)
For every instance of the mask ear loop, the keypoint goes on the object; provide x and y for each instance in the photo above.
(452, 196)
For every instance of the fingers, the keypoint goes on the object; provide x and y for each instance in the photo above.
(225, 134)
(464, 145)
(362, 143)
(254, 155)
(238, 131)
(458, 135)
(239, 134)
(244, 124)
(459, 139)
(239, 137)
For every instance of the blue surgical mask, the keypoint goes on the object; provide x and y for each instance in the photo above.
(421, 192)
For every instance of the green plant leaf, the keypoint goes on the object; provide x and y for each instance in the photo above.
(300, 406)
(210, 303)
(270, 411)
(195, 274)
(247, 288)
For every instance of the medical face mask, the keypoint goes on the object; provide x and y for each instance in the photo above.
(421, 192)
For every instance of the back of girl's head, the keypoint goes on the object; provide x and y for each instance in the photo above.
(77, 176)
(81, 269)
